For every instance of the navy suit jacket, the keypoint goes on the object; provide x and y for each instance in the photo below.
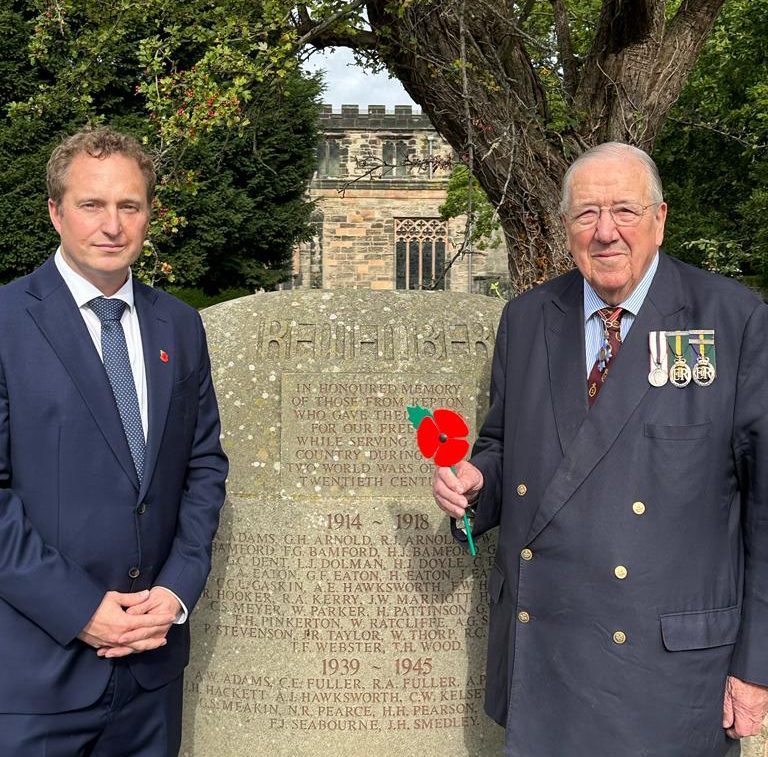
(670, 484)
(73, 519)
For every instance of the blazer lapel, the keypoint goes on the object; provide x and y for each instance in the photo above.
(54, 311)
(157, 340)
(623, 391)
(564, 334)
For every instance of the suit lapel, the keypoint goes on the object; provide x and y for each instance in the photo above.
(156, 338)
(625, 388)
(54, 311)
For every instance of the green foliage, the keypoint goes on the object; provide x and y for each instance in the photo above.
(214, 92)
(713, 152)
(198, 299)
(457, 204)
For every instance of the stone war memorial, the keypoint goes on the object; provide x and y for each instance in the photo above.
(341, 618)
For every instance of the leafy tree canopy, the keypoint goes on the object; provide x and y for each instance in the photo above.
(210, 89)
(713, 152)
(517, 88)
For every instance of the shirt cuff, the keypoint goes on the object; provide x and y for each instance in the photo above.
(183, 613)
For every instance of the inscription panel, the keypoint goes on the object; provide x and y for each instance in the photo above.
(348, 431)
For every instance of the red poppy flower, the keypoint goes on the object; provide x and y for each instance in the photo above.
(441, 435)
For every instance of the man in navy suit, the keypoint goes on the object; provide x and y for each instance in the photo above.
(624, 459)
(106, 523)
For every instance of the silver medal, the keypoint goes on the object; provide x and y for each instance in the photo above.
(703, 372)
(657, 377)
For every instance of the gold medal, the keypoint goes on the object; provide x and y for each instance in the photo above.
(680, 372)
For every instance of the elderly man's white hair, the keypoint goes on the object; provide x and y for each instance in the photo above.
(613, 150)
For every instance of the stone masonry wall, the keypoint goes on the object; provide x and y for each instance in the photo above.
(356, 208)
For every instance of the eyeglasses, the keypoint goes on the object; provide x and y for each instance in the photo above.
(624, 214)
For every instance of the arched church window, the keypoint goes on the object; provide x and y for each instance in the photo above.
(420, 245)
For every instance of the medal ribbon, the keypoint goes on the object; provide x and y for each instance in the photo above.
(655, 341)
(706, 345)
(678, 343)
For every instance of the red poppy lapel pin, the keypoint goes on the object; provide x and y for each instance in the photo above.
(164, 356)
(441, 436)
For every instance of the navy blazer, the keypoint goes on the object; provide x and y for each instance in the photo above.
(73, 519)
(632, 567)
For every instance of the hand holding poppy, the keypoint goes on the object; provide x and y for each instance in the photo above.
(455, 489)
(440, 434)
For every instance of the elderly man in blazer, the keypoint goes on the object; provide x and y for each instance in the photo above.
(110, 482)
(625, 460)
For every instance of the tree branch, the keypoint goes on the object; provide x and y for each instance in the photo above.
(526, 11)
(303, 14)
(565, 45)
(321, 34)
(720, 132)
(691, 25)
(680, 48)
(613, 86)
(623, 23)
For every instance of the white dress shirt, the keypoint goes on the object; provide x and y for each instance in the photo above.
(83, 292)
(594, 327)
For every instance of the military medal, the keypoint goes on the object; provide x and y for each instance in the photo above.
(704, 371)
(657, 344)
(680, 372)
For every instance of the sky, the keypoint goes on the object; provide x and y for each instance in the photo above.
(348, 84)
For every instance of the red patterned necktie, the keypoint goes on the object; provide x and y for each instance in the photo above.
(611, 343)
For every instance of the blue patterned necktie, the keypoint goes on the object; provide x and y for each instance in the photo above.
(114, 352)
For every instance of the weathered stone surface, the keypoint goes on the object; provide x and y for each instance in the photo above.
(340, 617)
(756, 746)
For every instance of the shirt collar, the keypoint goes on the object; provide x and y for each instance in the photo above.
(82, 289)
(593, 302)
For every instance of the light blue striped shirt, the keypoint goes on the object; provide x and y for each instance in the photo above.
(593, 324)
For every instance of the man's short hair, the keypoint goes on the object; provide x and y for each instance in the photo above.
(614, 150)
(100, 142)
